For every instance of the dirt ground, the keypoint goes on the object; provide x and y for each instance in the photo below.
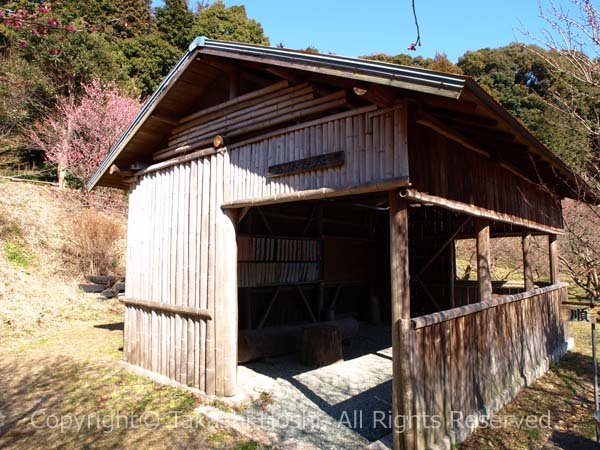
(65, 389)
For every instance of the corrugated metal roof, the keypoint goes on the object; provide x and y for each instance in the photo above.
(411, 78)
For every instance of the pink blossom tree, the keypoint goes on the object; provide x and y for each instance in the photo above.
(77, 135)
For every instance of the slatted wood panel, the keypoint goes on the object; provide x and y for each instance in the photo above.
(441, 167)
(476, 363)
(375, 152)
(181, 246)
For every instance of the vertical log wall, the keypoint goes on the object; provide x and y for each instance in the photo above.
(181, 251)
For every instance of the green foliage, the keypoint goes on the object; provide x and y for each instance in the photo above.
(174, 23)
(148, 60)
(218, 21)
(439, 62)
(520, 78)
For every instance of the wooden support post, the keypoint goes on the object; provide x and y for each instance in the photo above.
(452, 274)
(484, 275)
(402, 396)
(527, 269)
(229, 327)
(553, 254)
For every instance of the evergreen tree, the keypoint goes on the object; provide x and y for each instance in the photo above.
(174, 22)
(218, 21)
(148, 59)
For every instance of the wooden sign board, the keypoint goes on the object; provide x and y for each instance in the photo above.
(325, 161)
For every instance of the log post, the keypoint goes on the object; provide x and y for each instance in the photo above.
(484, 275)
(553, 255)
(229, 330)
(527, 269)
(402, 396)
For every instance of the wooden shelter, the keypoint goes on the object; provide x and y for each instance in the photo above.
(271, 188)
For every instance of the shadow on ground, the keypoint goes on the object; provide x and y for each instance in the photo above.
(341, 406)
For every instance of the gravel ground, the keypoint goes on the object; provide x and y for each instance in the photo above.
(338, 407)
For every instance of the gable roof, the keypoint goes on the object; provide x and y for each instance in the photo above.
(148, 124)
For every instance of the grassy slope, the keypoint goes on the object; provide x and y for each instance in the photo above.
(60, 347)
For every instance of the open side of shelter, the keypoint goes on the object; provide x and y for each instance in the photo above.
(271, 190)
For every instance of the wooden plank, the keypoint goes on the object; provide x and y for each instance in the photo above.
(319, 162)
(402, 384)
(462, 311)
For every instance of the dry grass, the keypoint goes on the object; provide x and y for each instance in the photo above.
(97, 244)
(38, 279)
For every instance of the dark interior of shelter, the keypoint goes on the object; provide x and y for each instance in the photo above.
(317, 261)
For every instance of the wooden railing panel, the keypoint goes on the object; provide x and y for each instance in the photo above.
(472, 361)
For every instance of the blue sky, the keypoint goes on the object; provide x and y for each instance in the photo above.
(354, 27)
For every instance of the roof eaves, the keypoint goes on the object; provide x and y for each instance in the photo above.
(146, 110)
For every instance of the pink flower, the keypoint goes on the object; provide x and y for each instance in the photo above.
(411, 47)
(22, 44)
(44, 9)
(52, 22)
(69, 28)
(55, 51)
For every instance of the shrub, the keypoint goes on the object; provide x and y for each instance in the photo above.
(97, 243)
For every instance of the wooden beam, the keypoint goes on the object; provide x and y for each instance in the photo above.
(451, 314)
(412, 194)
(267, 311)
(553, 255)
(306, 303)
(441, 128)
(527, 267)
(175, 309)
(402, 383)
(484, 273)
(320, 193)
(443, 247)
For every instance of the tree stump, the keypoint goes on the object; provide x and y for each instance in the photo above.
(321, 346)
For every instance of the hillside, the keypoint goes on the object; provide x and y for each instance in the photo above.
(39, 270)
(60, 352)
